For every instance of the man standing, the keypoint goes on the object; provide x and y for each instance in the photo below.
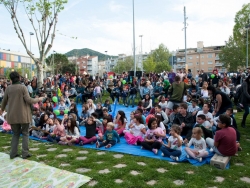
(19, 115)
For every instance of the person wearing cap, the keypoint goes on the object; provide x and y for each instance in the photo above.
(19, 114)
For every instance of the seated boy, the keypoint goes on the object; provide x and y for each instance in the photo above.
(110, 137)
(173, 114)
(193, 108)
(204, 125)
(224, 142)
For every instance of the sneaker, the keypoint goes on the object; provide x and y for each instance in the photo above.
(211, 150)
(199, 159)
(97, 144)
(108, 146)
(174, 158)
(155, 151)
(162, 154)
(81, 143)
(188, 156)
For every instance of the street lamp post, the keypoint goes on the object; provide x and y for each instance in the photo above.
(134, 38)
(30, 57)
(106, 61)
(247, 27)
(141, 54)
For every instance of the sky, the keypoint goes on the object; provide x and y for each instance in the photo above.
(107, 25)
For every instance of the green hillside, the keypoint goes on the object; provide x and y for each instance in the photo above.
(85, 51)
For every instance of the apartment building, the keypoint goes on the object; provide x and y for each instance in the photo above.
(85, 64)
(15, 60)
(206, 58)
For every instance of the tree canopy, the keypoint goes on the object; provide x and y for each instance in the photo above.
(59, 62)
(126, 65)
(43, 18)
(158, 60)
(232, 55)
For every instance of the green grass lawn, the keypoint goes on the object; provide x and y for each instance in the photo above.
(162, 173)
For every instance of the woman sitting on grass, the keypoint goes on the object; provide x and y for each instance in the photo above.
(72, 133)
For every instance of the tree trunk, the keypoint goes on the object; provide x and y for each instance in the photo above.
(39, 74)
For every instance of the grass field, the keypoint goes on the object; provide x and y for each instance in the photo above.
(109, 169)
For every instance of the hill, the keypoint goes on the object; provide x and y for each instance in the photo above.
(85, 51)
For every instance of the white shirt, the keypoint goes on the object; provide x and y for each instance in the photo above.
(136, 129)
(204, 93)
(174, 142)
(199, 145)
(208, 115)
(163, 105)
(192, 109)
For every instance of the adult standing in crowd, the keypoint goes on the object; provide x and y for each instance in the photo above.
(203, 75)
(18, 114)
(245, 99)
(221, 100)
(176, 92)
(34, 84)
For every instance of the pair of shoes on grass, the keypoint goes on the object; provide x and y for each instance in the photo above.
(197, 158)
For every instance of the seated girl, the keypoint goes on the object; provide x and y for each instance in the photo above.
(39, 131)
(6, 127)
(90, 136)
(58, 132)
(120, 122)
(134, 135)
(152, 140)
(105, 121)
(199, 143)
(147, 103)
(72, 133)
(173, 149)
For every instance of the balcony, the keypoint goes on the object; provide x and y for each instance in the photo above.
(217, 57)
(218, 64)
(181, 60)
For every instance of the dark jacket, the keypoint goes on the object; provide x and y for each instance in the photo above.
(188, 120)
(245, 96)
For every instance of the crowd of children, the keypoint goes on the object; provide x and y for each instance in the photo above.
(189, 123)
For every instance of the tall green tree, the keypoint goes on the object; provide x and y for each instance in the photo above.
(123, 66)
(43, 17)
(242, 20)
(149, 65)
(159, 57)
(58, 62)
(232, 55)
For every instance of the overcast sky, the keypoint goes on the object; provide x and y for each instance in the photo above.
(107, 25)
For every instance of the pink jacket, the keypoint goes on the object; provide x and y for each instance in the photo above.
(59, 130)
(6, 126)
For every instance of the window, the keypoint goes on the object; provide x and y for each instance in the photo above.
(190, 57)
(15, 65)
(202, 56)
(209, 55)
(190, 64)
(197, 56)
(210, 63)
(202, 63)
(210, 68)
(197, 63)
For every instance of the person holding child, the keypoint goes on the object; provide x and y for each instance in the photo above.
(199, 143)
(72, 133)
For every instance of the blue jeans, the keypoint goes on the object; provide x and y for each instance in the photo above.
(170, 152)
(79, 96)
(133, 99)
(246, 108)
(52, 139)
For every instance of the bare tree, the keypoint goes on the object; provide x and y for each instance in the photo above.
(43, 17)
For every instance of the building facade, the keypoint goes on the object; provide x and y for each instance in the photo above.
(206, 58)
(15, 60)
(86, 63)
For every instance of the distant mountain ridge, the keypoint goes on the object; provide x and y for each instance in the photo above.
(85, 51)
